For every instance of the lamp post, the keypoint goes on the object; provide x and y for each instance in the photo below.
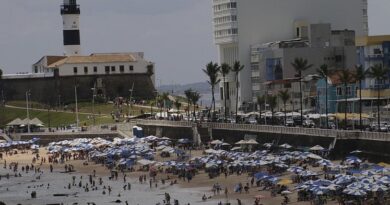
(28, 113)
(77, 109)
(130, 99)
(93, 105)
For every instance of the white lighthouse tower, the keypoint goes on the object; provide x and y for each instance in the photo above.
(70, 12)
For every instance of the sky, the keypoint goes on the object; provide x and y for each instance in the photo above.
(175, 34)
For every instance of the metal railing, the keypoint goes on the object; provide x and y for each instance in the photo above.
(341, 134)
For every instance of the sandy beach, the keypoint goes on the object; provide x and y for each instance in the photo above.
(17, 190)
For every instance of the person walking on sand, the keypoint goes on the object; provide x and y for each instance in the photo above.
(226, 192)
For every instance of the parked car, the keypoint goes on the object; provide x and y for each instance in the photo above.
(290, 122)
(308, 123)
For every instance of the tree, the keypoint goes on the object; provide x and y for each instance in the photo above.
(225, 69)
(165, 98)
(284, 96)
(195, 96)
(300, 65)
(188, 94)
(212, 70)
(177, 104)
(324, 72)
(360, 75)
(1, 73)
(345, 78)
(272, 101)
(260, 102)
(237, 68)
(379, 73)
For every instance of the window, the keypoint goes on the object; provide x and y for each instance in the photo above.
(339, 91)
(338, 58)
(349, 91)
(122, 68)
(85, 69)
(131, 68)
(95, 69)
(112, 68)
(74, 69)
(377, 51)
(107, 69)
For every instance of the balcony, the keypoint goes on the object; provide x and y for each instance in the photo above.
(374, 57)
(70, 9)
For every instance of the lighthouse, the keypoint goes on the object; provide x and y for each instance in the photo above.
(70, 12)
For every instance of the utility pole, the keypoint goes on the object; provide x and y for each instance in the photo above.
(28, 114)
(93, 105)
(77, 111)
(131, 96)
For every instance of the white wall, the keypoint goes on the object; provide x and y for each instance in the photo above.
(67, 69)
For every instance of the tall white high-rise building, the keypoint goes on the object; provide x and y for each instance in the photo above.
(238, 24)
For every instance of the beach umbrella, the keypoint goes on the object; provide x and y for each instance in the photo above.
(356, 152)
(285, 146)
(379, 188)
(295, 169)
(251, 142)
(215, 142)
(241, 142)
(286, 192)
(355, 192)
(268, 145)
(314, 156)
(317, 148)
(285, 182)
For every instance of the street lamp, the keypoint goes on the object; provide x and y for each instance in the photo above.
(131, 96)
(93, 105)
(28, 113)
(77, 109)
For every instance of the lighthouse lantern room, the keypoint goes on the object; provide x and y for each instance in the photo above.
(70, 12)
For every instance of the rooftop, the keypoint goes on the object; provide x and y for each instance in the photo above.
(95, 58)
(371, 40)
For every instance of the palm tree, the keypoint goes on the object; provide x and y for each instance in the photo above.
(324, 72)
(345, 78)
(260, 102)
(360, 75)
(165, 98)
(188, 94)
(237, 68)
(160, 102)
(195, 96)
(300, 65)
(285, 96)
(380, 74)
(272, 102)
(177, 104)
(212, 70)
(225, 69)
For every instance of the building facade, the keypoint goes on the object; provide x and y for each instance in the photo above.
(320, 45)
(238, 24)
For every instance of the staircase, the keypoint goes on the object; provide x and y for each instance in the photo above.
(4, 136)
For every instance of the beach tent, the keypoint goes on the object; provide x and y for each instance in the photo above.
(15, 122)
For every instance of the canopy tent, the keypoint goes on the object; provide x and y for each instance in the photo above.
(15, 122)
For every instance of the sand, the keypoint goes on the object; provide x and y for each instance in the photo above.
(18, 189)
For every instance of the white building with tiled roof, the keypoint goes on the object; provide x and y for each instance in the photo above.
(94, 64)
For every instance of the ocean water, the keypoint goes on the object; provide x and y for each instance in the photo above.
(17, 190)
